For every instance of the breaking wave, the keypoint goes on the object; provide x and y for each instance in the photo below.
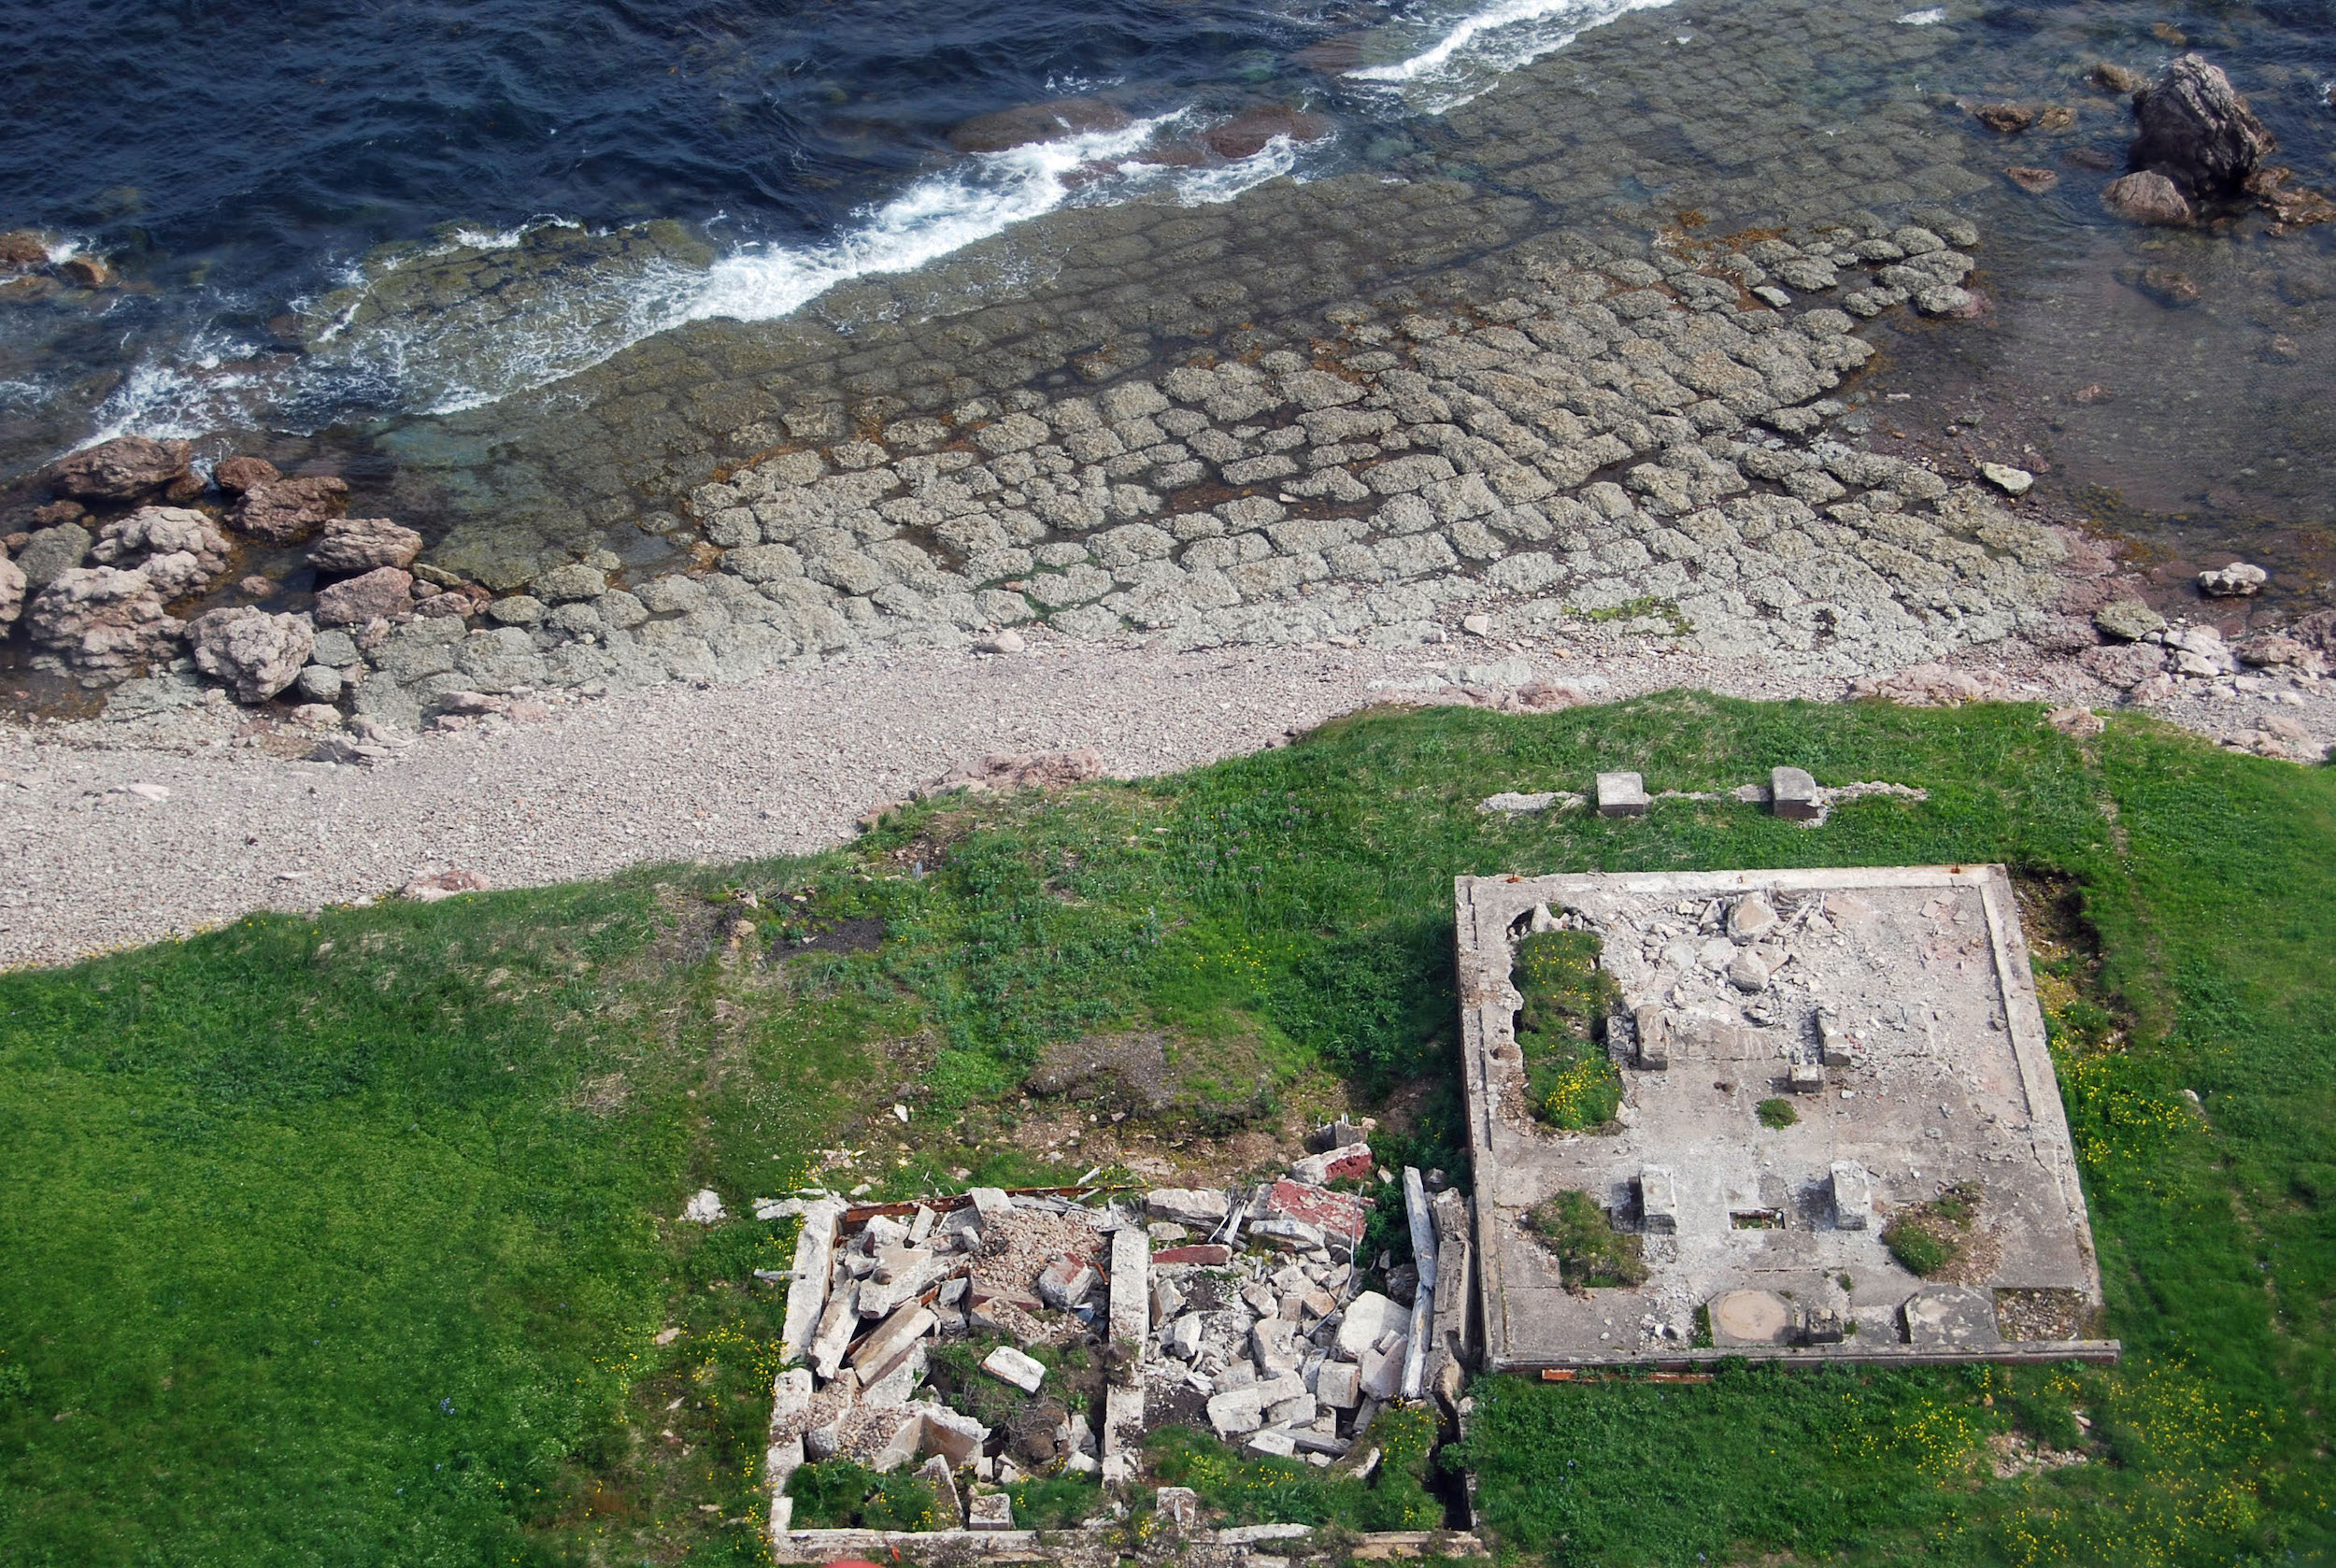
(475, 352)
(1476, 49)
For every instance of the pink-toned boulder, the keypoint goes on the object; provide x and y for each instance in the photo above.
(286, 511)
(122, 469)
(385, 591)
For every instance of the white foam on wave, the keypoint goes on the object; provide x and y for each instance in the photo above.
(466, 356)
(1474, 49)
(1929, 17)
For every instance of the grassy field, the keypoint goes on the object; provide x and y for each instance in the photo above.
(352, 1240)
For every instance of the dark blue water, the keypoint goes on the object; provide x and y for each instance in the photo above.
(233, 160)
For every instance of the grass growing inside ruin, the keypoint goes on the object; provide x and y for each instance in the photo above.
(351, 1238)
(1927, 1238)
(1240, 1489)
(1569, 1079)
(1592, 1254)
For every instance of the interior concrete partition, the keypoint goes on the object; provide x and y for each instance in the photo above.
(1894, 1009)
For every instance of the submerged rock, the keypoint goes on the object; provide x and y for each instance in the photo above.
(1035, 122)
(2148, 198)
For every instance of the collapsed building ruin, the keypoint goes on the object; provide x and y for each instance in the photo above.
(1806, 1068)
(1243, 1312)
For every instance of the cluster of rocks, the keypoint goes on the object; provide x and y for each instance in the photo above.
(1242, 1309)
(2156, 661)
(35, 265)
(95, 594)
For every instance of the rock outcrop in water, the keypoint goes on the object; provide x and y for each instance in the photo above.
(2196, 132)
(2148, 197)
(254, 654)
(126, 468)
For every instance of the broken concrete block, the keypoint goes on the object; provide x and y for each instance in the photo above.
(1339, 1385)
(1291, 1411)
(1749, 919)
(897, 1379)
(1279, 1389)
(1273, 1444)
(1321, 1170)
(1806, 1078)
(881, 1350)
(1010, 1365)
(1206, 1255)
(1179, 1506)
(1130, 1286)
(1383, 1370)
(1658, 1200)
(1167, 1301)
(1950, 1318)
(1185, 1335)
(1853, 1196)
(953, 1438)
(1271, 1344)
(990, 1510)
(1320, 1444)
(1368, 1316)
(990, 1202)
(1235, 1412)
(1792, 794)
(836, 1326)
(1065, 1282)
(1748, 972)
(1621, 794)
(1653, 1028)
(934, 1473)
(900, 1440)
(1203, 1209)
(807, 1281)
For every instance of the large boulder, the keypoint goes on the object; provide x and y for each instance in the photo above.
(385, 591)
(286, 511)
(236, 475)
(126, 469)
(362, 544)
(250, 652)
(2196, 132)
(12, 593)
(183, 551)
(102, 620)
(52, 552)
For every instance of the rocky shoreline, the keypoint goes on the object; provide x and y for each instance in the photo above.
(1629, 466)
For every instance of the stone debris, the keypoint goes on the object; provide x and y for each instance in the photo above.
(1268, 1332)
(2238, 580)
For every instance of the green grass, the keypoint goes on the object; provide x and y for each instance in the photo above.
(1590, 1252)
(347, 1240)
(1237, 1488)
(1777, 1114)
(1927, 1238)
(1569, 1079)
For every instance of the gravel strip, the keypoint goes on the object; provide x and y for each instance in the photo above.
(118, 835)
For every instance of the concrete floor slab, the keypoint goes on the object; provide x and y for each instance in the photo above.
(1893, 1008)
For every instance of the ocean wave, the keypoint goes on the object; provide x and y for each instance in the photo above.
(1476, 48)
(373, 356)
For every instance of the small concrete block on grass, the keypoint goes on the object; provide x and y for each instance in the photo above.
(1621, 794)
(990, 1510)
(1792, 794)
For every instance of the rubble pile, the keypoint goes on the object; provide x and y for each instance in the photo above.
(1243, 1309)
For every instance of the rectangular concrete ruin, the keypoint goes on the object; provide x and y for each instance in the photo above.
(1892, 1009)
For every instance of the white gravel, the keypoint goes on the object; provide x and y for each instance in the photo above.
(116, 835)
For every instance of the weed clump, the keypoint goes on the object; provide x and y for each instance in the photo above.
(1569, 1079)
(1927, 1238)
(1777, 1114)
(838, 1494)
(1590, 1252)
